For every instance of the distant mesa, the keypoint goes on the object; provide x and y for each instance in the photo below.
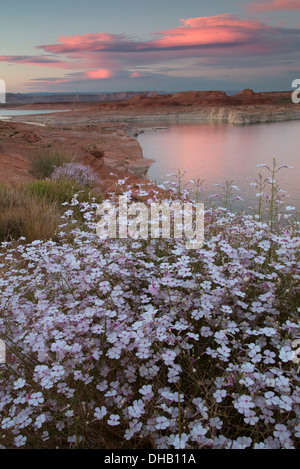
(248, 97)
(200, 98)
(246, 92)
(153, 99)
(47, 98)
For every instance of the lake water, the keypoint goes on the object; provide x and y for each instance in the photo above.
(6, 113)
(221, 152)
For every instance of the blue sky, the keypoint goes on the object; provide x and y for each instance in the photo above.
(168, 45)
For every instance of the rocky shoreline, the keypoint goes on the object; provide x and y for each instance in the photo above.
(104, 135)
(108, 148)
(205, 115)
(212, 116)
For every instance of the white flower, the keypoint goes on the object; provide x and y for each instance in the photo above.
(178, 441)
(100, 412)
(20, 440)
(162, 423)
(215, 422)
(40, 420)
(146, 391)
(250, 417)
(219, 395)
(36, 398)
(281, 432)
(198, 431)
(168, 357)
(113, 420)
(286, 403)
(20, 383)
(7, 423)
(259, 446)
(244, 403)
(137, 409)
(271, 399)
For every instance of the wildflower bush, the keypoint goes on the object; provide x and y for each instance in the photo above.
(81, 174)
(149, 343)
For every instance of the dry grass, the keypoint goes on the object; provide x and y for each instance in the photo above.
(23, 215)
(42, 219)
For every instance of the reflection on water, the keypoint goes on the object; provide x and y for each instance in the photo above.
(221, 152)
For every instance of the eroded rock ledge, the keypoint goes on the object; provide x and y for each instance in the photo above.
(107, 148)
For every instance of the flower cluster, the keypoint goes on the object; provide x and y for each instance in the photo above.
(80, 173)
(171, 347)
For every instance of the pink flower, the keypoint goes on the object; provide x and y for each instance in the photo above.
(153, 290)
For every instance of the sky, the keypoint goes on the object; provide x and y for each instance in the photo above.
(137, 45)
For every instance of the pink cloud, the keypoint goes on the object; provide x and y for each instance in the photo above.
(273, 5)
(194, 37)
(214, 30)
(137, 75)
(99, 74)
(222, 39)
(85, 42)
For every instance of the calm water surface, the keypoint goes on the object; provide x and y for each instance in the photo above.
(221, 152)
(4, 113)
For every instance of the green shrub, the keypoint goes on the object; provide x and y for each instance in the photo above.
(61, 191)
(44, 163)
